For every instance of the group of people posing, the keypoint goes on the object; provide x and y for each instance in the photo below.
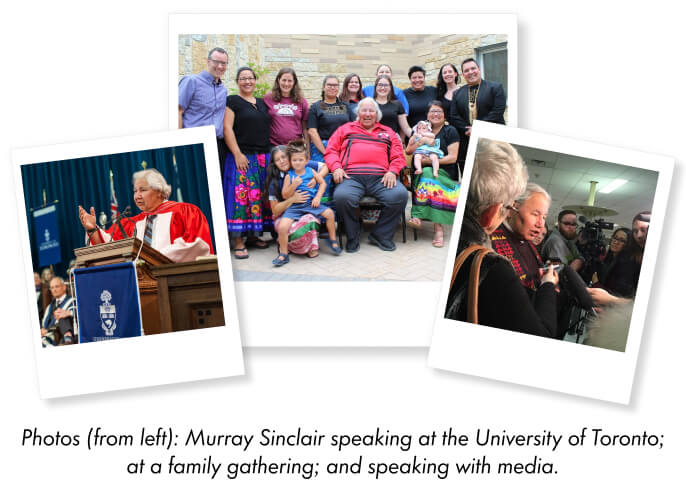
(518, 287)
(292, 167)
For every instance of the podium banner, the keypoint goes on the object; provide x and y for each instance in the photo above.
(47, 235)
(107, 302)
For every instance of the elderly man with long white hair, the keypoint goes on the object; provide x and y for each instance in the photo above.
(176, 229)
(366, 158)
(499, 176)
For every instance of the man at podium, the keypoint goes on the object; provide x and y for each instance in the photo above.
(177, 230)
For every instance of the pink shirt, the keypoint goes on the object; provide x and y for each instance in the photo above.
(287, 119)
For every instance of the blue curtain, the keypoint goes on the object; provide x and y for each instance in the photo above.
(86, 182)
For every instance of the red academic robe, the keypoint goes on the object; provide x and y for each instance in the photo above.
(180, 231)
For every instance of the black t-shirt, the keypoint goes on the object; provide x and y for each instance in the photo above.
(390, 112)
(327, 117)
(250, 124)
(446, 136)
(419, 103)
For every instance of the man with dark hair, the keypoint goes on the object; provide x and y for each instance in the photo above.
(202, 99)
(57, 326)
(560, 246)
(479, 99)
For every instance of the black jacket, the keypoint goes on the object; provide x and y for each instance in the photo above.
(503, 301)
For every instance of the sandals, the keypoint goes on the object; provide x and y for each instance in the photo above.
(281, 259)
(415, 223)
(438, 238)
(258, 243)
(334, 246)
(241, 253)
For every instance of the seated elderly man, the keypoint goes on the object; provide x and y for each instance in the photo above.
(498, 177)
(366, 158)
(514, 238)
(177, 230)
(57, 326)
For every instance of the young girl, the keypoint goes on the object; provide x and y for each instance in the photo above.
(299, 179)
(431, 147)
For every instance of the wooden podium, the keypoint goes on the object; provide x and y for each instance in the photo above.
(174, 296)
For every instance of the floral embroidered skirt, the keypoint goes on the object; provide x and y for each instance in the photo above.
(435, 198)
(243, 196)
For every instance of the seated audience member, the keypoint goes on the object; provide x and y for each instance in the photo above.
(42, 294)
(498, 177)
(366, 158)
(514, 238)
(384, 69)
(178, 230)
(57, 327)
(560, 245)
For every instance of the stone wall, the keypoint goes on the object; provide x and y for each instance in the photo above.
(313, 56)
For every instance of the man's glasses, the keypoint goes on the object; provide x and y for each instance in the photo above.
(219, 63)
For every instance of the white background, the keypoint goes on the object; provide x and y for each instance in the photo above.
(602, 73)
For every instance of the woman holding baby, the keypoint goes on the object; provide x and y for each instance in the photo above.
(434, 196)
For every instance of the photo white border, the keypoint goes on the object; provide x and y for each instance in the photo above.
(158, 359)
(542, 362)
(397, 310)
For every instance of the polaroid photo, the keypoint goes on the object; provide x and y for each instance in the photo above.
(327, 295)
(127, 244)
(593, 214)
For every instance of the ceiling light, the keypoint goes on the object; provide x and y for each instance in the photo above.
(612, 186)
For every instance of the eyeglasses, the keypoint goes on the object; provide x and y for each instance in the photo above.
(329, 85)
(246, 79)
(218, 63)
(512, 207)
(383, 85)
(569, 224)
(438, 111)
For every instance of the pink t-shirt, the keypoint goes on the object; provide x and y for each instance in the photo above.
(287, 119)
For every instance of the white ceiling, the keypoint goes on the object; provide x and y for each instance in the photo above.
(567, 178)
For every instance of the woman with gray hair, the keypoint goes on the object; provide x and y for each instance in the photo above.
(177, 230)
(499, 176)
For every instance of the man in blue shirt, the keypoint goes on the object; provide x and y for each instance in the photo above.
(202, 98)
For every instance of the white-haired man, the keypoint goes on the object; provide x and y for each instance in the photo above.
(178, 230)
(514, 238)
(57, 327)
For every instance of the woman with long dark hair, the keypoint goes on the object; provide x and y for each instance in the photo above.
(287, 108)
(246, 132)
(448, 78)
(326, 115)
(351, 90)
(394, 115)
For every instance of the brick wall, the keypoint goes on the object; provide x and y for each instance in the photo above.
(313, 56)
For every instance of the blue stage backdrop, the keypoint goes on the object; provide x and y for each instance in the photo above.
(86, 182)
(107, 302)
(47, 235)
